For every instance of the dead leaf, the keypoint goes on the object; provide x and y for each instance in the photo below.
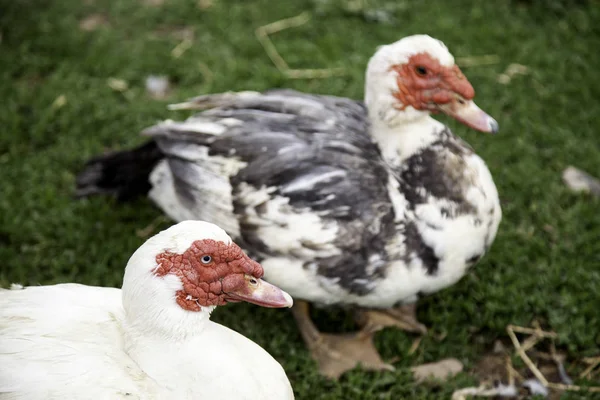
(549, 228)
(118, 85)
(204, 4)
(580, 181)
(491, 368)
(498, 347)
(439, 370)
(59, 102)
(511, 71)
(93, 22)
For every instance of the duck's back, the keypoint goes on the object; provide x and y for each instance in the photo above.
(295, 178)
(66, 341)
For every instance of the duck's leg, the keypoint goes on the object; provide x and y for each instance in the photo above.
(403, 317)
(336, 354)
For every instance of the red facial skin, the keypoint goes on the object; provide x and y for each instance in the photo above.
(208, 284)
(424, 83)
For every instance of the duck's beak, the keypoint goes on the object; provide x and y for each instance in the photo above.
(261, 293)
(467, 112)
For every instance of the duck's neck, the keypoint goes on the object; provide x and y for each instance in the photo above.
(162, 350)
(399, 140)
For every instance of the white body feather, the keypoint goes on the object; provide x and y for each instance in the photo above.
(71, 341)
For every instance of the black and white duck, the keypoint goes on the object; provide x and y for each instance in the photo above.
(361, 204)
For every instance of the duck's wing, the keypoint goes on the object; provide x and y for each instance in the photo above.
(63, 341)
(290, 174)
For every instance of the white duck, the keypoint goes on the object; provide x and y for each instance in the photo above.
(151, 340)
(364, 205)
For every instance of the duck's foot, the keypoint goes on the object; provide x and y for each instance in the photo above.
(336, 354)
(403, 317)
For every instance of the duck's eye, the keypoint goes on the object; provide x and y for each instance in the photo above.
(206, 259)
(421, 70)
(253, 281)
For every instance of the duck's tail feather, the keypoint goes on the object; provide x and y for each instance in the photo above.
(124, 174)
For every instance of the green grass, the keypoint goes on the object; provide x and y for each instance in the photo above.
(544, 265)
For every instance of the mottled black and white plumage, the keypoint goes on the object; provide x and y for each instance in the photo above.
(341, 203)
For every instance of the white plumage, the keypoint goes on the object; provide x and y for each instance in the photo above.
(71, 341)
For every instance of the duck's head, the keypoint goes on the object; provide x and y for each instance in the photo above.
(416, 76)
(176, 278)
